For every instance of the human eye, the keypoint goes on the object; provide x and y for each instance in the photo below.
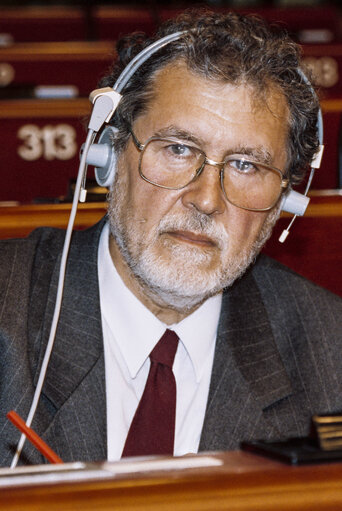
(174, 155)
(179, 150)
(243, 166)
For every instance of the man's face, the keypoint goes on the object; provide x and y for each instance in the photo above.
(185, 245)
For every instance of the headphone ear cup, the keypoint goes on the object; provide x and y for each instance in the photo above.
(102, 156)
(294, 202)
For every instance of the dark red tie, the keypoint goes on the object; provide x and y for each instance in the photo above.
(152, 430)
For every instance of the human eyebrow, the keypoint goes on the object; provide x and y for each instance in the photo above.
(258, 154)
(179, 133)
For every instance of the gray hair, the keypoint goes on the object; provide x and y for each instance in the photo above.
(229, 48)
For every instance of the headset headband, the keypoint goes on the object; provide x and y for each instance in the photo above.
(144, 55)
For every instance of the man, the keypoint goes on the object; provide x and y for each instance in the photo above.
(211, 131)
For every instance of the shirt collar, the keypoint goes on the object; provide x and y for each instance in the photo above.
(137, 330)
(198, 332)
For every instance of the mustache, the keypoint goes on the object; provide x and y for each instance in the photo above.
(194, 222)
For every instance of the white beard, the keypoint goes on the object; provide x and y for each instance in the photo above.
(185, 278)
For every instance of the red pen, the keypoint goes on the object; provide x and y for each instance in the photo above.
(35, 439)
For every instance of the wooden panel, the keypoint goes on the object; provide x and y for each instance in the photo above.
(325, 63)
(80, 64)
(40, 147)
(314, 245)
(242, 482)
(46, 23)
(315, 24)
(113, 22)
(305, 24)
(19, 221)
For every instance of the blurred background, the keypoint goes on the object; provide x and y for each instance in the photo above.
(52, 54)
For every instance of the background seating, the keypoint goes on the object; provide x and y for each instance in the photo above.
(318, 24)
(314, 245)
(112, 22)
(24, 66)
(43, 23)
(40, 141)
(325, 63)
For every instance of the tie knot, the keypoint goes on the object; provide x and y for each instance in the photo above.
(164, 352)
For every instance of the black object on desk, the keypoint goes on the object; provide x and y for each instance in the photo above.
(323, 445)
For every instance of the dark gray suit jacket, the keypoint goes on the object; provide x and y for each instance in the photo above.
(278, 357)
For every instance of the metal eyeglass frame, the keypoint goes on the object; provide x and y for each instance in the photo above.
(207, 161)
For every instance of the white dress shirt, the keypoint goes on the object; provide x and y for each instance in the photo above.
(130, 332)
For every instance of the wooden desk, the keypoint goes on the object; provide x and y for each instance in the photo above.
(40, 147)
(77, 63)
(110, 22)
(43, 23)
(19, 221)
(243, 482)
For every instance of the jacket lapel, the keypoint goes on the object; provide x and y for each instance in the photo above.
(73, 405)
(248, 374)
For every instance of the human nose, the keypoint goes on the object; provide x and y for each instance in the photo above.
(205, 193)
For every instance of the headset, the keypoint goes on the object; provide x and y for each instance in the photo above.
(102, 156)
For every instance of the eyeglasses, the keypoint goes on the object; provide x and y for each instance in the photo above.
(174, 164)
